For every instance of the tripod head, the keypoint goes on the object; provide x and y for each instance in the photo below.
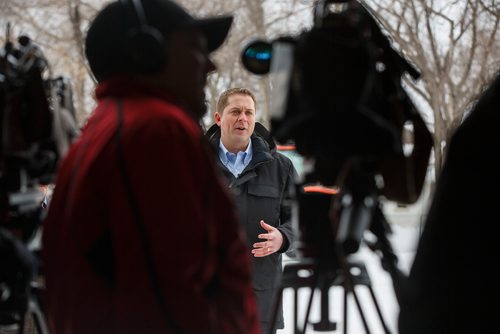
(333, 220)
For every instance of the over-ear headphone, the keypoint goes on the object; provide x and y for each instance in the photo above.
(145, 44)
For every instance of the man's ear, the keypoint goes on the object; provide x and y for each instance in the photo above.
(217, 118)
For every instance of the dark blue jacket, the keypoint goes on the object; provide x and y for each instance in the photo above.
(263, 192)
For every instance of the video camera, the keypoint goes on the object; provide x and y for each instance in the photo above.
(336, 88)
(337, 95)
(37, 125)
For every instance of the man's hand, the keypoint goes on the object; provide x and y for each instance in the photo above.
(273, 242)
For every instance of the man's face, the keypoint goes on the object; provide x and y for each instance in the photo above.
(185, 74)
(237, 122)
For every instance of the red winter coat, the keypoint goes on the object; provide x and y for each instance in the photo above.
(95, 265)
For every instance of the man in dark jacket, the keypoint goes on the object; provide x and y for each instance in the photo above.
(261, 179)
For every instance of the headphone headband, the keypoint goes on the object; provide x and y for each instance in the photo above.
(139, 11)
(146, 46)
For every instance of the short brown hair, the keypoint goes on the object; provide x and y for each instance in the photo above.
(224, 97)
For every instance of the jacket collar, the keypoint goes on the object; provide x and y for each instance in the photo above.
(262, 144)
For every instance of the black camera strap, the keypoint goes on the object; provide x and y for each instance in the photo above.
(155, 282)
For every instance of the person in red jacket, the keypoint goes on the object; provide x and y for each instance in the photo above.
(141, 235)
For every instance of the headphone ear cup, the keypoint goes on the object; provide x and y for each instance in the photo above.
(147, 49)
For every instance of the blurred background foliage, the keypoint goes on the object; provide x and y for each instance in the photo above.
(455, 45)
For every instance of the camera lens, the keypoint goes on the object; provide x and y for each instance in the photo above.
(256, 57)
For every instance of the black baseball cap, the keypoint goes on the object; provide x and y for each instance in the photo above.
(168, 16)
(215, 29)
(106, 39)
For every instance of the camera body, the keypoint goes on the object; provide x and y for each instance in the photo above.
(37, 126)
(337, 90)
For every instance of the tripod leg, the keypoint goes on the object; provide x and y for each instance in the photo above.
(276, 307)
(40, 323)
(308, 311)
(379, 312)
(345, 311)
(312, 285)
(349, 287)
(21, 324)
(360, 309)
(296, 310)
(324, 323)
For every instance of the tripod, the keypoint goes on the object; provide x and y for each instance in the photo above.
(322, 278)
(333, 234)
(19, 301)
(20, 283)
(31, 314)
